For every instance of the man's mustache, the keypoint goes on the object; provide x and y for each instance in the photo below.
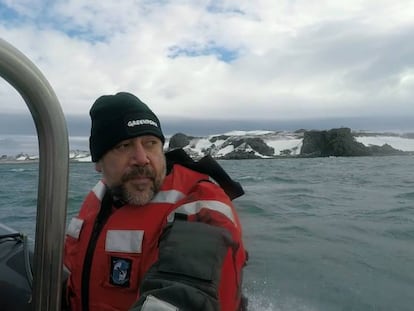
(139, 171)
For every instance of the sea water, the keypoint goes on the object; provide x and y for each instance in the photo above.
(322, 234)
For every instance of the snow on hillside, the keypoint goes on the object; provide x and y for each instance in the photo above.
(283, 143)
(219, 145)
(400, 143)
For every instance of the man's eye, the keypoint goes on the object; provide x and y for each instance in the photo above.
(122, 146)
(152, 142)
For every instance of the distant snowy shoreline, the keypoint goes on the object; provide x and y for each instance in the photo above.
(281, 143)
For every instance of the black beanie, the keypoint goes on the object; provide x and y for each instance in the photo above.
(119, 117)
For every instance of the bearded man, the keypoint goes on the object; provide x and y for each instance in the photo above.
(151, 235)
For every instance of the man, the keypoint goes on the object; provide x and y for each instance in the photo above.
(152, 234)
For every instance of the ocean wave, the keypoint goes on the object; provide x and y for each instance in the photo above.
(407, 195)
(17, 170)
(405, 233)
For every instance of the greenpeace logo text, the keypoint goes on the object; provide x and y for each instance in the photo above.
(133, 123)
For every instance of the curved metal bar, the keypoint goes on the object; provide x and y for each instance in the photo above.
(52, 134)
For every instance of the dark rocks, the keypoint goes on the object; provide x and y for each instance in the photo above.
(179, 140)
(240, 155)
(339, 142)
(243, 147)
(384, 150)
(250, 144)
(218, 137)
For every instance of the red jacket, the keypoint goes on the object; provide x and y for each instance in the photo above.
(127, 246)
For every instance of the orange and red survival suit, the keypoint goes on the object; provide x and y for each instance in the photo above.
(181, 251)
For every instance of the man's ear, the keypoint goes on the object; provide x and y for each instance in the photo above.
(98, 167)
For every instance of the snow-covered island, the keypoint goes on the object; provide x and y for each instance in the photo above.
(74, 155)
(275, 144)
(301, 143)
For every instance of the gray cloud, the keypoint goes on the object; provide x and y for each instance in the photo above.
(279, 60)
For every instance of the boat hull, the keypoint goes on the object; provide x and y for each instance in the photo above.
(15, 285)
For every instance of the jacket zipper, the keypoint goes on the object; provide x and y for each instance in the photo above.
(103, 215)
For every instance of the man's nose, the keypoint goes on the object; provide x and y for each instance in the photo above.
(139, 155)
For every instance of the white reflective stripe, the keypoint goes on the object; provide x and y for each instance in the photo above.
(99, 190)
(152, 303)
(196, 206)
(75, 227)
(124, 241)
(170, 196)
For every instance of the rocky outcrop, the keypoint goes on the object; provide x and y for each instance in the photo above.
(339, 142)
(241, 147)
(248, 148)
(384, 150)
(179, 140)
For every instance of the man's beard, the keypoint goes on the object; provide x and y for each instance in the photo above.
(136, 195)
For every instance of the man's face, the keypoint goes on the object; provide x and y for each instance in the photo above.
(134, 169)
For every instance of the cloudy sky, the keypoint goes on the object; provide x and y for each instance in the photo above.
(282, 60)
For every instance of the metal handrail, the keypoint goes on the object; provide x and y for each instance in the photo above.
(52, 134)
